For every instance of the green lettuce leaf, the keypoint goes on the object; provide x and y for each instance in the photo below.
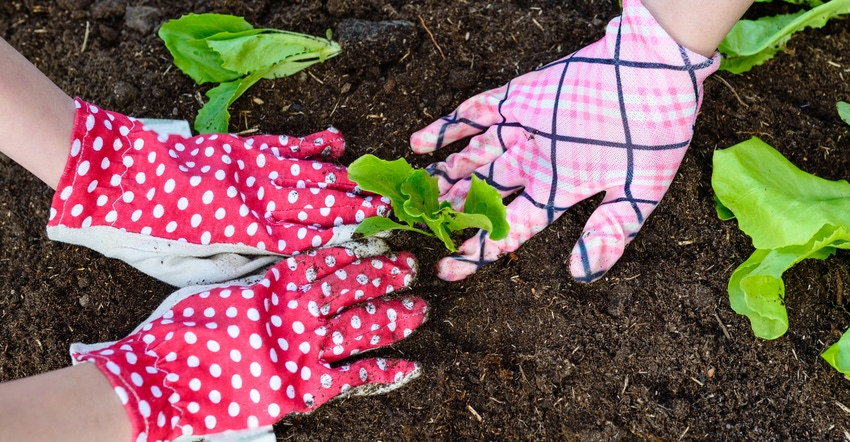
(421, 205)
(414, 196)
(376, 224)
(375, 175)
(791, 216)
(214, 117)
(844, 111)
(246, 52)
(752, 42)
(186, 38)
(723, 212)
(480, 201)
(228, 50)
(756, 289)
(418, 188)
(838, 355)
(776, 203)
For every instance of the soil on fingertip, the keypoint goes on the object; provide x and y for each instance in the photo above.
(519, 351)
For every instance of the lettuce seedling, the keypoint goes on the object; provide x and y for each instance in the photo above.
(216, 48)
(791, 216)
(413, 194)
(753, 42)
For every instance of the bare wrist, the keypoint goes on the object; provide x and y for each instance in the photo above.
(698, 25)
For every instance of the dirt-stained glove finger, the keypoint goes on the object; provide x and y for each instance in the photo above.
(372, 325)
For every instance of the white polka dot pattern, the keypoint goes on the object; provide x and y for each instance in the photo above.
(264, 192)
(229, 358)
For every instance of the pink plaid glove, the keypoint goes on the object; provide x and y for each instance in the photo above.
(226, 362)
(204, 209)
(615, 116)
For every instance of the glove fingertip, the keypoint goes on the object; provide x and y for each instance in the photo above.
(594, 255)
(389, 374)
(476, 252)
(335, 143)
(455, 268)
(369, 377)
(403, 317)
(423, 141)
(410, 261)
(327, 144)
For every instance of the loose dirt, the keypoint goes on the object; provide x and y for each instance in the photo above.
(519, 351)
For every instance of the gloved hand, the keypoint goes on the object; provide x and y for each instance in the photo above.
(204, 209)
(226, 362)
(615, 116)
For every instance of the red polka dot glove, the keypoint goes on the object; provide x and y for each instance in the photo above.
(205, 209)
(225, 362)
(616, 117)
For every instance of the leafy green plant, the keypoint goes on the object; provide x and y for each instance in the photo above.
(414, 197)
(216, 48)
(753, 42)
(790, 215)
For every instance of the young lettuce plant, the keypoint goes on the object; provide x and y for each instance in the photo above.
(216, 48)
(791, 216)
(414, 197)
(753, 42)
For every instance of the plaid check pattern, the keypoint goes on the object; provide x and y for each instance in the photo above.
(616, 116)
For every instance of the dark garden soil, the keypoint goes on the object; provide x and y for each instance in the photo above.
(519, 351)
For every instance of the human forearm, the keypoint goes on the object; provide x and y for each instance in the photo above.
(72, 404)
(36, 117)
(699, 25)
